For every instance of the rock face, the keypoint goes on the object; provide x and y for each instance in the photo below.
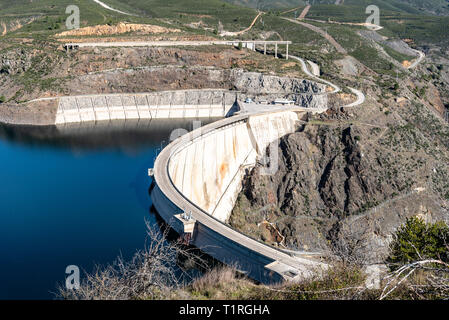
(36, 113)
(256, 83)
(339, 187)
(15, 61)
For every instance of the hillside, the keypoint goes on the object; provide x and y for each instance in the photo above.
(437, 7)
(347, 178)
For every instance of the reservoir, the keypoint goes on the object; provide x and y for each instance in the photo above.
(74, 195)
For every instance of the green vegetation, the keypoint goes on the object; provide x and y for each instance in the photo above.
(409, 6)
(2, 99)
(398, 18)
(398, 56)
(417, 240)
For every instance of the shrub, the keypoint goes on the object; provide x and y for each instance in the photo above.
(417, 240)
(2, 99)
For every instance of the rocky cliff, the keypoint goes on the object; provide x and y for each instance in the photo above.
(343, 186)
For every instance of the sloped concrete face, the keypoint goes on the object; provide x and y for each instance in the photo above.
(180, 104)
(209, 170)
(201, 173)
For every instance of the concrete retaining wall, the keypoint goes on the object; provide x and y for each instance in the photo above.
(158, 105)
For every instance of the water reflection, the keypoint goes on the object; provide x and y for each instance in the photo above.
(73, 195)
(127, 135)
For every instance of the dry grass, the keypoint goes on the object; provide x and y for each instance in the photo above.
(218, 277)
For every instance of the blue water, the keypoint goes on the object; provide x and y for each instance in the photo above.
(72, 199)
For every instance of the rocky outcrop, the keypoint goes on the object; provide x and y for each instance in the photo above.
(15, 61)
(340, 186)
(257, 83)
(37, 113)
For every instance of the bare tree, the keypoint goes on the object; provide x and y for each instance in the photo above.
(436, 279)
(152, 273)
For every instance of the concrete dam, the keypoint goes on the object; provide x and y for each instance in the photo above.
(198, 178)
(180, 104)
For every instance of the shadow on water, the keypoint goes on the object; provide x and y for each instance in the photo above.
(127, 135)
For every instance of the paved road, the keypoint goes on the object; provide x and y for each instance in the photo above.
(170, 43)
(360, 98)
(231, 34)
(417, 61)
(310, 74)
(104, 5)
(360, 95)
(327, 36)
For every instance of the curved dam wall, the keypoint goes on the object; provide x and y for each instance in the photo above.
(209, 170)
(217, 244)
(201, 173)
(182, 104)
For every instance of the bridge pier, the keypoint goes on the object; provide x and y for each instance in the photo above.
(249, 44)
(286, 56)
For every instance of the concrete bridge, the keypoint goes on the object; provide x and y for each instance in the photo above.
(250, 44)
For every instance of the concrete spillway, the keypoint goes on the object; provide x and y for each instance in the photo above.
(179, 104)
(201, 173)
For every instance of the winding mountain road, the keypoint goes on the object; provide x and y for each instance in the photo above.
(104, 5)
(237, 33)
(326, 35)
(360, 95)
(417, 61)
